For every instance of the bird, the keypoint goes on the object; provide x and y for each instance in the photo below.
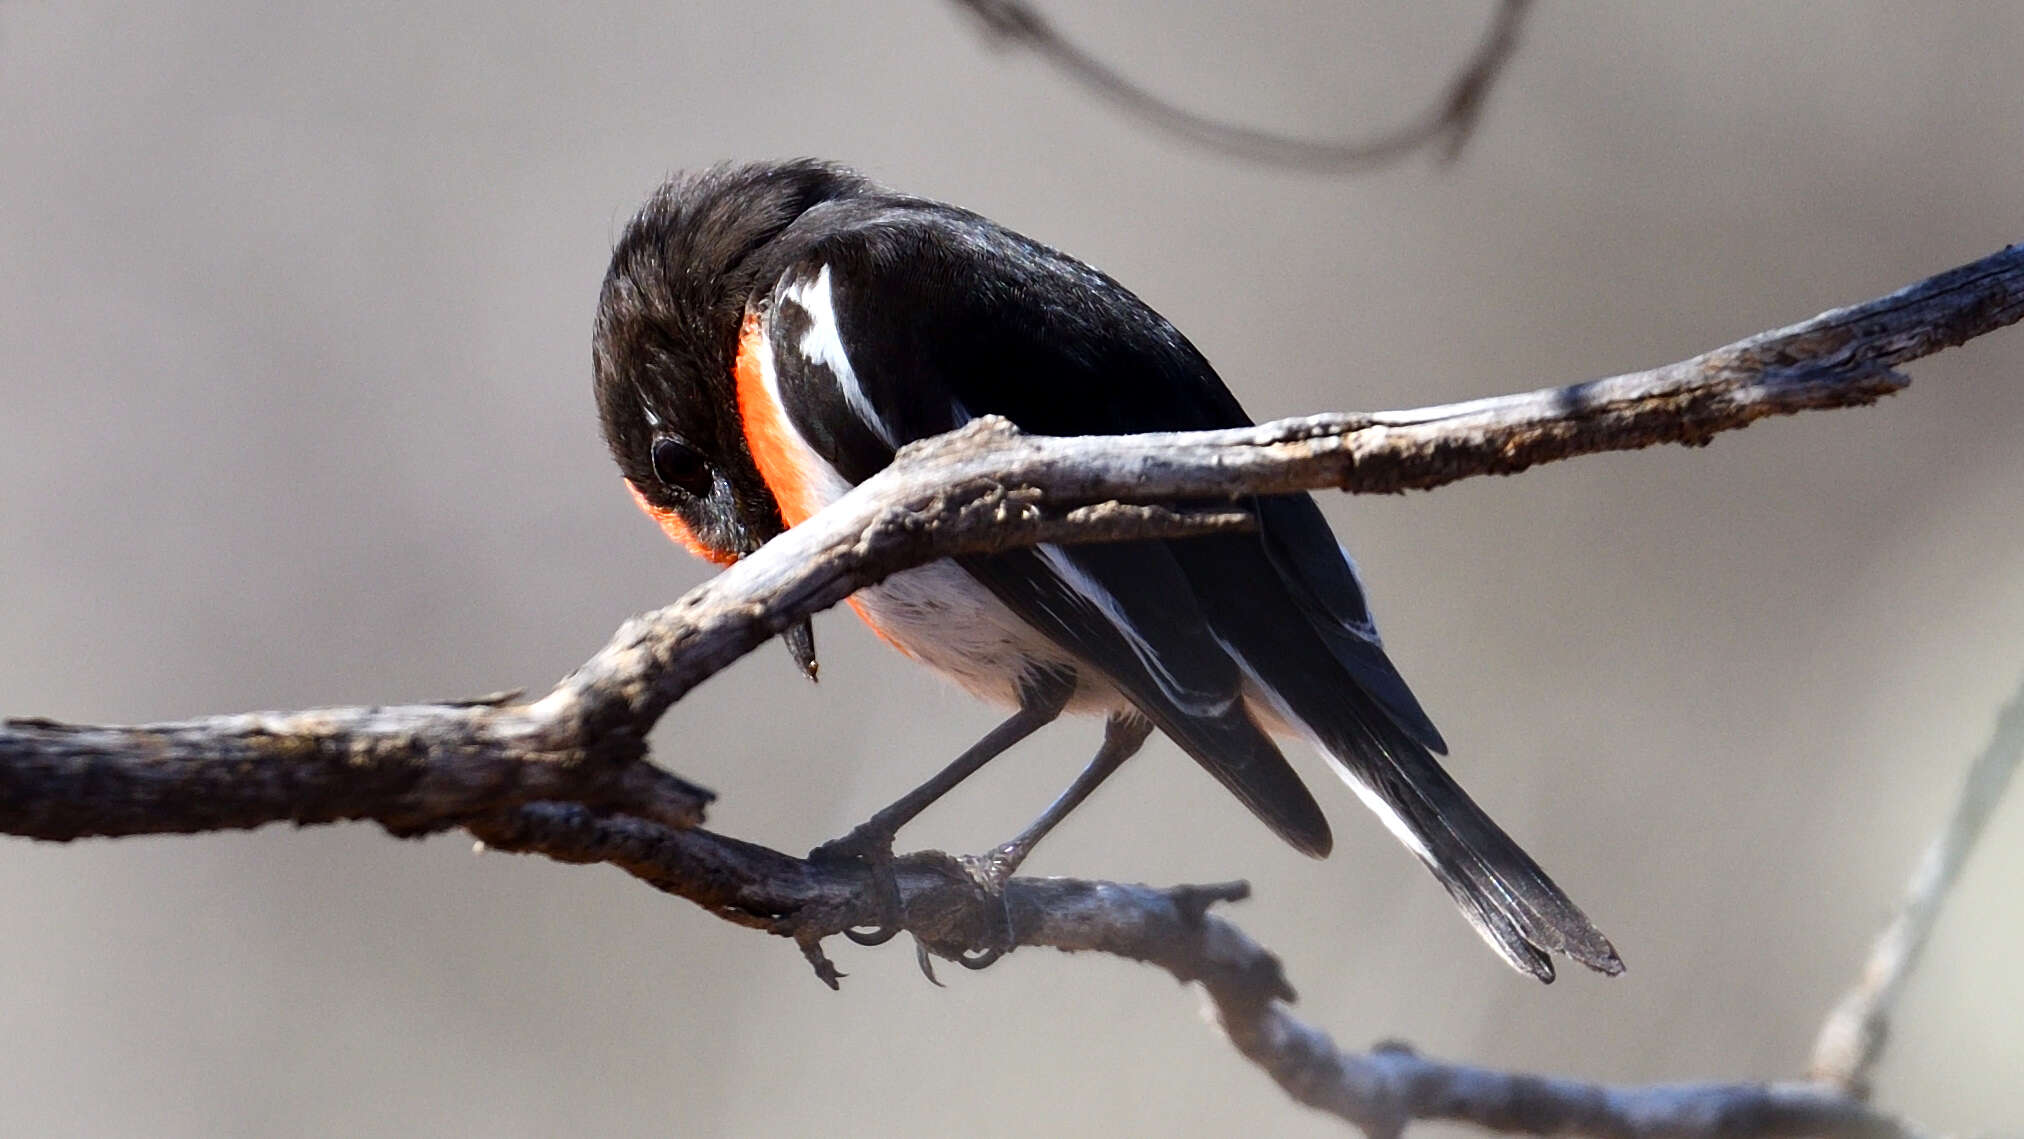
(770, 334)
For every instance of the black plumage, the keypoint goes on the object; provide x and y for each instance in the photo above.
(887, 318)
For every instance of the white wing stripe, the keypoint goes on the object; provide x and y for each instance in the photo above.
(1256, 689)
(826, 483)
(1100, 600)
(823, 344)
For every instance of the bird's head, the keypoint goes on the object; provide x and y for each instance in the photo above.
(666, 341)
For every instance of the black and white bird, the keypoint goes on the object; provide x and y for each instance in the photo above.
(767, 337)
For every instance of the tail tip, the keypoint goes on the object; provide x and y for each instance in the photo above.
(1534, 960)
(1592, 949)
(1606, 962)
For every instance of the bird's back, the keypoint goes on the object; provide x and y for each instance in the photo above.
(893, 319)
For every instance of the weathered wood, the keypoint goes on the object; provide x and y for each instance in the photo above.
(567, 776)
(1379, 1091)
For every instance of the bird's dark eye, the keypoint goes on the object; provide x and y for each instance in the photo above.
(681, 466)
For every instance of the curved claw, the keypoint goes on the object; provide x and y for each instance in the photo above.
(991, 872)
(983, 959)
(874, 851)
(873, 935)
(926, 963)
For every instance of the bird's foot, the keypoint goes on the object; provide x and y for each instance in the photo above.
(872, 847)
(989, 914)
(995, 867)
(990, 872)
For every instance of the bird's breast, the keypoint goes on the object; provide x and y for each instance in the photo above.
(941, 616)
(937, 613)
(802, 481)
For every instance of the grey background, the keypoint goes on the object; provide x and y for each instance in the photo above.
(294, 315)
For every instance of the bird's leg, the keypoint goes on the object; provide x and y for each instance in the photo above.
(871, 842)
(1123, 735)
(877, 832)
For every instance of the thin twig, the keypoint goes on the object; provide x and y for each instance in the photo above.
(1446, 124)
(1852, 1039)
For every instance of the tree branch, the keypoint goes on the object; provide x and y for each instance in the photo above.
(567, 776)
(1446, 124)
(1172, 929)
(940, 493)
(414, 768)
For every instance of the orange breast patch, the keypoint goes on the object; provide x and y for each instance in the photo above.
(777, 450)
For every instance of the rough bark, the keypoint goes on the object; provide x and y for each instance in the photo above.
(567, 776)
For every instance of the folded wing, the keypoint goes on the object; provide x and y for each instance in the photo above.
(1217, 640)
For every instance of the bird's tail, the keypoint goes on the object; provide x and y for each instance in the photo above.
(1512, 903)
(1498, 887)
(1313, 665)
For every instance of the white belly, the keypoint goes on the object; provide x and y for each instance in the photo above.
(947, 620)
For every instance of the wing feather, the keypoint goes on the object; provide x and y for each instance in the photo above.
(944, 314)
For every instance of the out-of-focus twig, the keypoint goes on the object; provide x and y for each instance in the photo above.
(1445, 125)
(1852, 1039)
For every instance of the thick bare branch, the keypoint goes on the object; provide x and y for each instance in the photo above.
(416, 768)
(1379, 1091)
(941, 492)
(566, 775)
(1445, 125)
(413, 768)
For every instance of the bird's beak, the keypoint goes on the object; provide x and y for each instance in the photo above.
(751, 525)
(800, 641)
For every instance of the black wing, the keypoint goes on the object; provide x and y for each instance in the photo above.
(948, 316)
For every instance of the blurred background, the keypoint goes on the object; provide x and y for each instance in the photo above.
(295, 410)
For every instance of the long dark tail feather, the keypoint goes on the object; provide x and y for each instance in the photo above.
(1244, 760)
(1498, 887)
(1516, 908)
(1317, 574)
(1196, 701)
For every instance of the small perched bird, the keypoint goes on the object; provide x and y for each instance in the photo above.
(770, 334)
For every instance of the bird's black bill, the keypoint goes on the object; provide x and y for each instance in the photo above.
(800, 641)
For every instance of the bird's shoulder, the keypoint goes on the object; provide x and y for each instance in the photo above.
(940, 314)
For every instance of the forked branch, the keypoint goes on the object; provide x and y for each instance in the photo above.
(567, 775)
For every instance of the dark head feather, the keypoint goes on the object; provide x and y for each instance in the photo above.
(667, 329)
